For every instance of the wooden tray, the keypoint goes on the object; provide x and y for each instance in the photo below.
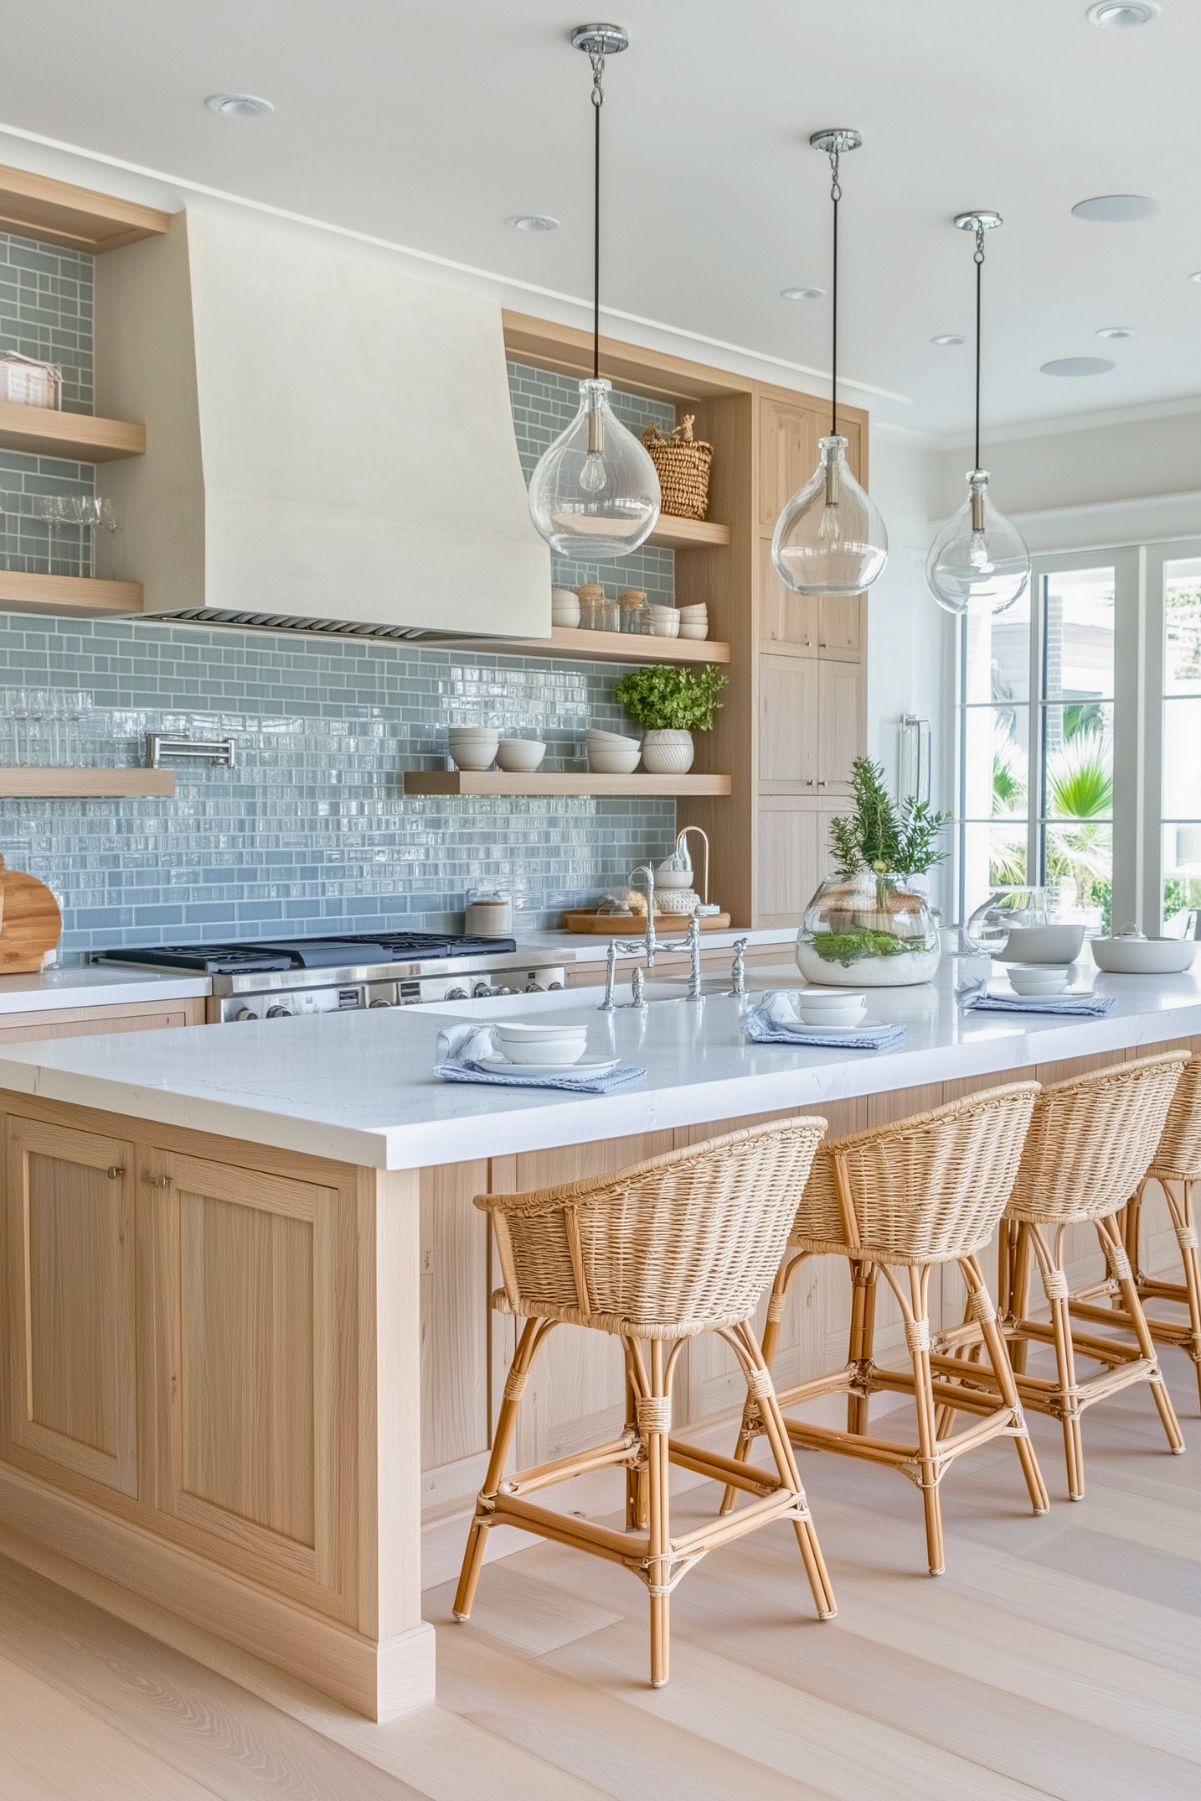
(633, 925)
(30, 922)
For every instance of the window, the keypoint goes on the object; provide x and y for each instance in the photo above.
(1179, 878)
(1048, 739)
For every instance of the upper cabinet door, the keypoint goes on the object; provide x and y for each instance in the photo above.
(71, 1297)
(842, 695)
(787, 455)
(840, 627)
(789, 708)
(787, 621)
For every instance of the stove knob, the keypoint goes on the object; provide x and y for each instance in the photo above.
(456, 994)
(381, 1003)
(482, 992)
(245, 1013)
(553, 985)
(504, 991)
(279, 1013)
(533, 987)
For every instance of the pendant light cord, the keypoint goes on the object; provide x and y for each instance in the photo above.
(835, 196)
(598, 100)
(979, 260)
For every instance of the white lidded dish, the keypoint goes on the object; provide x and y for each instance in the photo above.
(1130, 956)
(1043, 944)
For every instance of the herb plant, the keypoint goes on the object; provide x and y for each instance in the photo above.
(666, 699)
(882, 836)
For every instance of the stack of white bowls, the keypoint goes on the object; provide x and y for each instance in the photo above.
(1037, 980)
(541, 1044)
(821, 1008)
(609, 753)
(564, 606)
(694, 621)
(521, 756)
(663, 622)
(473, 746)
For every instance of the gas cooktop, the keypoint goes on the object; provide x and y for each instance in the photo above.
(360, 951)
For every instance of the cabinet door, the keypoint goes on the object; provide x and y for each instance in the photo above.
(787, 455)
(254, 1336)
(71, 1286)
(787, 621)
(841, 689)
(789, 708)
(789, 858)
(840, 626)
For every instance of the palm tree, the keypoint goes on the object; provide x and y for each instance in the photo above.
(1079, 786)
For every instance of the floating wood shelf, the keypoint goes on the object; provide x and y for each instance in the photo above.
(82, 784)
(499, 781)
(44, 431)
(57, 212)
(67, 594)
(610, 647)
(688, 534)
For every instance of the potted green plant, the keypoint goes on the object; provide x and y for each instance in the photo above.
(671, 703)
(869, 925)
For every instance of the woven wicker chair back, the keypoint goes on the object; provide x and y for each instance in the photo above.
(1178, 1157)
(923, 1190)
(1092, 1140)
(666, 1249)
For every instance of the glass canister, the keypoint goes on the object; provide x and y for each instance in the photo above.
(869, 930)
(489, 913)
(631, 603)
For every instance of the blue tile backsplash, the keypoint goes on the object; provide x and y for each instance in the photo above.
(310, 831)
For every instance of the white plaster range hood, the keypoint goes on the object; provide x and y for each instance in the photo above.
(329, 440)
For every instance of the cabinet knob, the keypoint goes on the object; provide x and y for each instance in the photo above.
(821, 784)
(114, 1172)
(159, 1181)
(808, 781)
(822, 645)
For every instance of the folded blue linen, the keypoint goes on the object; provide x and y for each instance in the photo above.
(460, 1050)
(775, 1021)
(1072, 1006)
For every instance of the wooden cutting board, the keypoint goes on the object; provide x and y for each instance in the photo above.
(31, 922)
(633, 925)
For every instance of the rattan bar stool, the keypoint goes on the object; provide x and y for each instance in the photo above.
(1176, 1167)
(661, 1252)
(1089, 1147)
(903, 1199)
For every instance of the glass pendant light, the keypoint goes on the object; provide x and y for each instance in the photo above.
(978, 563)
(830, 538)
(595, 492)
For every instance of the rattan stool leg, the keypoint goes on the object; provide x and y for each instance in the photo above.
(1016, 1249)
(637, 1497)
(862, 1339)
(917, 1334)
(655, 1420)
(1119, 1263)
(1186, 1234)
(532, 1335)
(1067, 1392)
(771, 1332)
(981, 1309)
(776, 1433)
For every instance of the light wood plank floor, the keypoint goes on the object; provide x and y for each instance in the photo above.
(1058, 1656)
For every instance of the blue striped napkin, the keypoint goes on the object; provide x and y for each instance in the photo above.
(1072, 1006)
(460, 1049)
(775, 1021)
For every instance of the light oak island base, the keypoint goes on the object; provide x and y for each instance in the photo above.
(295, 1374)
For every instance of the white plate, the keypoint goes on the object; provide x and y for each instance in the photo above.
(592, 1066)
(861, 1025)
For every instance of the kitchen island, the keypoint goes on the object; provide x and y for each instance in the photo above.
(248, 1338)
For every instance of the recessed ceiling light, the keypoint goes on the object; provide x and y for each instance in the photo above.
(1121, 15)
(948, 337)
(531, 222)
(802, 293)
(1078, 365)
(239, 106)
(1115, 209)
(1116, 331)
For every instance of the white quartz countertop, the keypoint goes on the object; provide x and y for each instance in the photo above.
(585, 947)
(95, 987)
(357, 1087)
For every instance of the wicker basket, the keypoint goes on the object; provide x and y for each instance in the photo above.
(682, 463)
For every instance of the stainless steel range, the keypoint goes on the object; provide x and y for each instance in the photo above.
(278, 979)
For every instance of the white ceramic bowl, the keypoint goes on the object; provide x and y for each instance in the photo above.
(694, 633)
(698, 610)
(1043, 944)
(674, 878)
(474, 750)
(816, 998)
(818, 1020)
(560, 1051)
(613, 762)
(664, 622)
(507, 1030)
(611, 740)
(520, 754)
(1143, 956)
(1033, 979)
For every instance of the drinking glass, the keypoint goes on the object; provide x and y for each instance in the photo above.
(107, 521)
(972, 970)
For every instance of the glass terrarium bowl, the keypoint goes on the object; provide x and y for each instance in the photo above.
(870, 930)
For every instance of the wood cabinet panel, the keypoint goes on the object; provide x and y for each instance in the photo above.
(253, 1334)
(455, 1325)
(788, 855)
(88, 1022)
(789, 724)
(841, 705)
(787, 621)
(788, 435)
(840, 626)
(71, 1300)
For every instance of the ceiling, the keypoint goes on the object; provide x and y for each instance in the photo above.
(428, 124)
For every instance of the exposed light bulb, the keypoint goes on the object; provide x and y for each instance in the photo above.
(830, 538)
(979, 562)
(595, 492)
